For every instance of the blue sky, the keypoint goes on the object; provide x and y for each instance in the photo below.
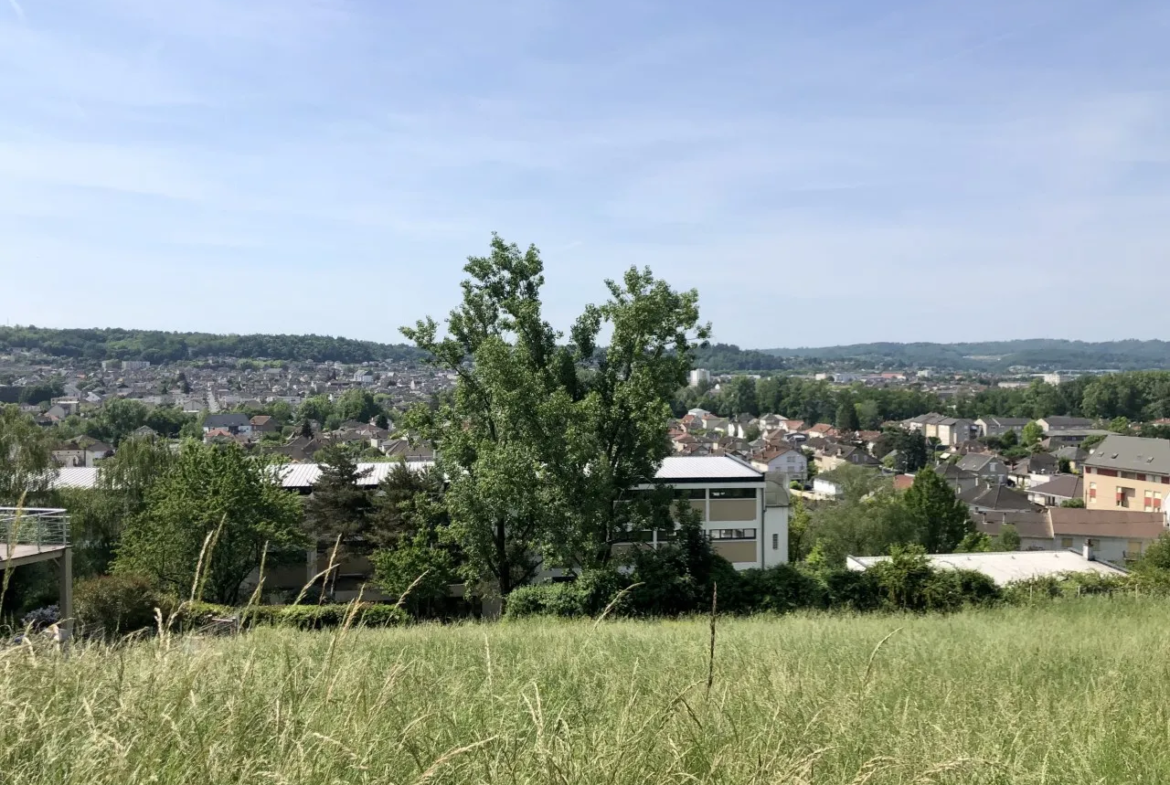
(821, 172)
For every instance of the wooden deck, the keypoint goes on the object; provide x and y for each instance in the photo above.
(27, 554)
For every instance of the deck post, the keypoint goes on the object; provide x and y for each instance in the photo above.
(65, 595)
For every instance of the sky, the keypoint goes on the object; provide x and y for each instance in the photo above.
(822, 173)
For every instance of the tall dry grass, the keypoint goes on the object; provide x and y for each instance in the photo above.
(1073, 692)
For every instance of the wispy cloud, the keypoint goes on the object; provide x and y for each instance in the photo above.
(17, 9)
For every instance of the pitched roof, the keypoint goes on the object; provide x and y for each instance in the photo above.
(1128, 524)
(978, 462)
(1004, 422)
(1067, 422)
(1029, 524)
(1068, 486)
(1131, 453)
(230, 420)
(996, 497)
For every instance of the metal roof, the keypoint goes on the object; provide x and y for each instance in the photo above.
(718, 468)
(707, 467)
(305, 475)
(75, 477)
(1005, 568)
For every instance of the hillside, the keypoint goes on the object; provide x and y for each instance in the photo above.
(1039, 353)
(157, 346)
(1055, 693)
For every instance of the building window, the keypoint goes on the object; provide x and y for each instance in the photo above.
(1148, 501)
(733, 493)
(732, 534)
(1066, 542)
(1092, 491)
(697, 494)
(775, 542)
(1157, 501)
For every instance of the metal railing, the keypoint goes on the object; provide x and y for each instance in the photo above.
(34, 526)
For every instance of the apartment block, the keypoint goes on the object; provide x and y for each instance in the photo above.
(1128, 473)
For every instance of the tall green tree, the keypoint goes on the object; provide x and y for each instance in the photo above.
(339, 506)
(1032, 433)
(740, 394)
(940, 519)
(847, 420)
(97, 515)
(357, 404)
(316, 407)
(26, 458)
(540, 440)
(210, 489)
(412, 528)
(913, 451)
(117, 419)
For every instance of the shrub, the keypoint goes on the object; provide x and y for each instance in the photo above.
(782, 589)
(114, 605)
(1024, 592)
(547, 599)
(41, 618)
(854, 590)
(304, 617)
(902, 579)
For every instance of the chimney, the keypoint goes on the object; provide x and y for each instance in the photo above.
(1087, 551)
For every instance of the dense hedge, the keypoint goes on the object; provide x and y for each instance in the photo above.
(904, 582)
(305, 617)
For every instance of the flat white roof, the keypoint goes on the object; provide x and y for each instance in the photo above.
(305, 475)
(719, 468)
(708, 467)
(1005, 568)
(75, 477)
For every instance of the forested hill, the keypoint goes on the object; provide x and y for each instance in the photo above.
(1041, 353)
(160, 347)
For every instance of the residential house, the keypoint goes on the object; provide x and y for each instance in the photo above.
(1128, 473)
(234, 423)
(785, 460)
(996, 498)
(990, 469)
(1033, 527)
(820, 430)
(792, 426)
(1037, 467)
(960, 480)
(410, 453)
(998, 426)
(1053, 424)
(1057, 490)
(745, 516)
(1071, 437)
(263, 423)
(1115, 536)
(947, 430)
(833, 455)
(1073, 454)
(81, 452)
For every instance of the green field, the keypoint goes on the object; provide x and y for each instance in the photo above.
(1072, 692)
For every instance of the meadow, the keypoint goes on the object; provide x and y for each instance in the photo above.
(1072, 691)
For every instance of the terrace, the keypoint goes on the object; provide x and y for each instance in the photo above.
(30, 535)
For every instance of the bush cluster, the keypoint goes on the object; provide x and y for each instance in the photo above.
(905, 582)
(115, 605)
(304, 617)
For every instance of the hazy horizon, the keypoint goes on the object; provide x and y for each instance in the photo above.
(823, 174)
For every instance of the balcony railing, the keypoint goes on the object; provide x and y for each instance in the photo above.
(34, 526)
